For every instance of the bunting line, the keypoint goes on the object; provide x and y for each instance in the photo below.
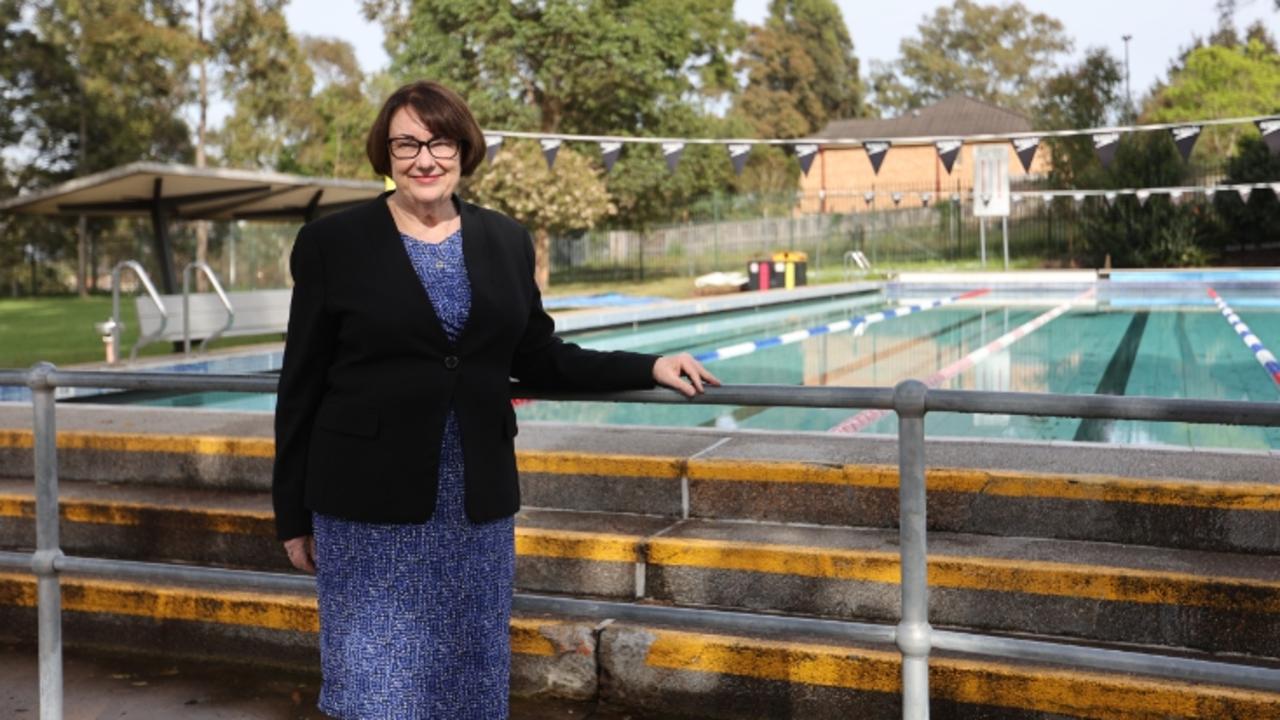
(865, 418)
(855, 323)
(1251, 341)
(1269, 125)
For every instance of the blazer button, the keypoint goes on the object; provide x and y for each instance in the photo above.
(451, 362)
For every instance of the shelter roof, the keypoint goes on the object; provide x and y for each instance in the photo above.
(956, 115)
(193, 193)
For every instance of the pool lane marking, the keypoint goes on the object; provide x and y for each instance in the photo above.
(855, 323)
(867, 417)
(1251, 341)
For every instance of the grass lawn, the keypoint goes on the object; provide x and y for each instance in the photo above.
(60, 330)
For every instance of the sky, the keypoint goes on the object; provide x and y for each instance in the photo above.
(1160, 28)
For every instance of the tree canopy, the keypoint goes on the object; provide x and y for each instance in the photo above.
(998, 53)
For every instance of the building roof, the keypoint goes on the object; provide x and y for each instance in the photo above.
(192, 193)
(956, 115)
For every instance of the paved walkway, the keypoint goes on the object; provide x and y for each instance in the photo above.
(102, 687)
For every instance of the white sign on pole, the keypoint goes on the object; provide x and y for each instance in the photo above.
(991, 180)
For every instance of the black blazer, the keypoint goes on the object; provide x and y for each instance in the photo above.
(369, 375)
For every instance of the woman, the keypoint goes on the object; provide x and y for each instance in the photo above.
(395, 476)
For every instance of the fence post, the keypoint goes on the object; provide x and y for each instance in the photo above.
(48, 593)
(913, 634)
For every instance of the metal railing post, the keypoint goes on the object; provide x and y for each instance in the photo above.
(914, 636)
(49, 594)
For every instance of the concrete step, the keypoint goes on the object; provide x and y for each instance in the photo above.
(673, 668)
(1213, 602)
(1192, 501)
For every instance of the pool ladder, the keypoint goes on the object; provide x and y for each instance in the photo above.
(110, 330)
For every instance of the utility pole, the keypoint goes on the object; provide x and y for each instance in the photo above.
(1128, 96)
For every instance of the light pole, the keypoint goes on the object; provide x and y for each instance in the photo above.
(1128, 97)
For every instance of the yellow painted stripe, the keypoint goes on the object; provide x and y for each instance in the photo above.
(255, 447)
(1001, 483)
(1048, 690)
(133, 514)
(226, 607)
(602, 547)
(576, 463)
(1004, 483)
(1116, 584)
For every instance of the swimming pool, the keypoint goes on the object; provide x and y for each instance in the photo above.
(1130, 336)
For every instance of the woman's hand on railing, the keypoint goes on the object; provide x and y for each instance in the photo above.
(302, 552)
(671, 370)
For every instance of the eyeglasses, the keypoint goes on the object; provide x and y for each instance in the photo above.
(407, 148)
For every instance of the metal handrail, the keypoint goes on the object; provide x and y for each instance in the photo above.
(141, 272)
(186, 305)
(910, 399)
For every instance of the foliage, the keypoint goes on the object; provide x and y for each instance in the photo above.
(567, 198)
(1215, 81)
(1257, 220)
(998, 53)
(1080, 97)
(801, 71)
(1160, 233)
(590, 67)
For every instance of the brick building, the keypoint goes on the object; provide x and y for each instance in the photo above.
(840, 177)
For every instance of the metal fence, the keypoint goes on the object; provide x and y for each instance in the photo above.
(910, 399)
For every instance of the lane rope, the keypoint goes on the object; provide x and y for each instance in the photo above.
(857, 324)
(1251, 341)
(867, 417)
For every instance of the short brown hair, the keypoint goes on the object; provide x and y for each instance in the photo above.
(439, 108)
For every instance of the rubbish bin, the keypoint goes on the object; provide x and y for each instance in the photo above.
(759, 274)
(789, 268)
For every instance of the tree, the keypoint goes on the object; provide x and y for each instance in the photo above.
(584, 66)
(1220, 82)
(1256, 220)
(801, 70)
(1087, 95)
(266, 77)
(1160, 233)
(998, 53)
(569, 198)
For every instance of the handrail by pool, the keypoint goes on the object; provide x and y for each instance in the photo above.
(910, 399)
(145, 279)
(203, 267)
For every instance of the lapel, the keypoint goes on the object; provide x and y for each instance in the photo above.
(476, 246)
(402, 280)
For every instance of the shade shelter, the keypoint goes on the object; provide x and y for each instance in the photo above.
(167, 192)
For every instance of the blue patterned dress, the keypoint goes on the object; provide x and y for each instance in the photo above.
(414, 618)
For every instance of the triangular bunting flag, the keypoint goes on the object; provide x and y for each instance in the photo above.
(1275, 188)
(869, 196)
(948, 151)
(672, 151)
(876, 150)
(1111, 198)
(738, 153)
(805, 154)
(1015, 198)
(1244, 191)
(897, 198)
(955, 197)
(609, 152)
(1048, 198)
(1025, 148)
(1270, 129)
(1208, 192)
(1175, 196)
(550, 146)
(1185, 138)
(491, 145)
(925, 197)
(1143, 195)
(1079, 198)
(1105, 145)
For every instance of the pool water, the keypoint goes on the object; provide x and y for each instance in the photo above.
(1122, 341)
